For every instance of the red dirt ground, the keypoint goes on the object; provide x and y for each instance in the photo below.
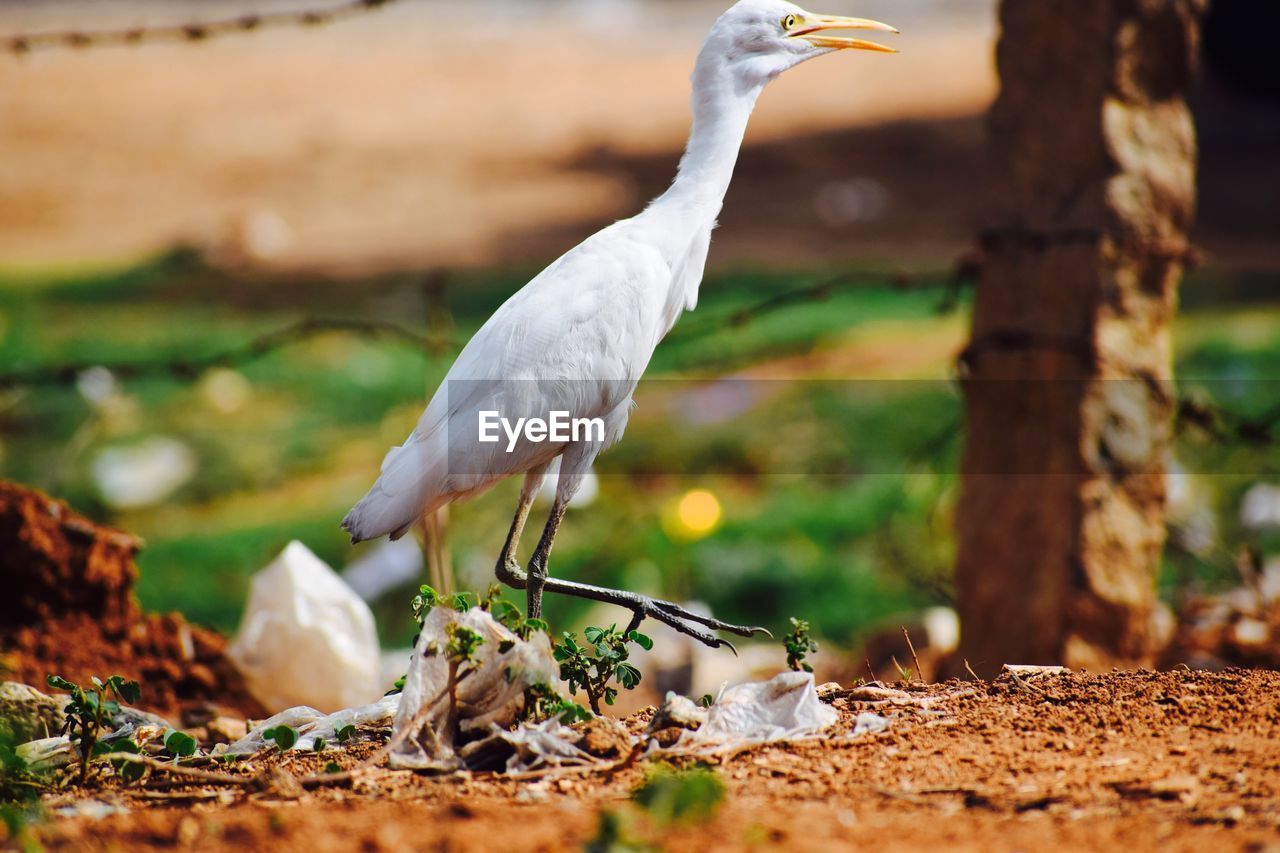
(1141, 761)
(69, 609)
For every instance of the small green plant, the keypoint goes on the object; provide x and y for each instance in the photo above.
(424, 602)
(542, 702)
(333, 767)
(345, 733)
(461, 645)
(593, 672)
(284, 737)
(428, 599)
(680, 796)
(707, 700)
(613, 835)
(319, 745)
(179, 744)
(666, 797)
(88, 709)
(799, 645)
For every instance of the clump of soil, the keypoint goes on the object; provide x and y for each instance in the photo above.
(68, 608)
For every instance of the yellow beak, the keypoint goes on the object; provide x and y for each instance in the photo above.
(817, 23)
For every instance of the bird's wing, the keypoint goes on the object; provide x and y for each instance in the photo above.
(575, 339)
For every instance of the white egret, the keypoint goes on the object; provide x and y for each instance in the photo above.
(576, 339)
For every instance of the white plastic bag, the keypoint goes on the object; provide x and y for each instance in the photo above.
(492, 694)
(786, 706)
(312, 725)
(306, 638)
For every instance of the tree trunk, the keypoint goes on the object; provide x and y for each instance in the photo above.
(1068, 373)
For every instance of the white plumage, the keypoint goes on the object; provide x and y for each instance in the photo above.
(578, 337)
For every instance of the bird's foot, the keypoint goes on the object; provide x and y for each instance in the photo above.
(641, 606)
(668, 613)
(681, 618)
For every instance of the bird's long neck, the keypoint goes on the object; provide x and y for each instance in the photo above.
(721, 110)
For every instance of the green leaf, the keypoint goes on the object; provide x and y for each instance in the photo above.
(593, 635)
(124, 744)
(332, 767)
(57, 682)
(180, 744)
(129, 771)
(129, 691)
(707, 700)
(319, 745)
(284, 736)
(642, 640)
(345, 733)
(538, 625)
(627, 675)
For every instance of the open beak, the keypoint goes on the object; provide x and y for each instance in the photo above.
(817, 23)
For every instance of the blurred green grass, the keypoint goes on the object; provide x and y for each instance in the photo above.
(836, 504)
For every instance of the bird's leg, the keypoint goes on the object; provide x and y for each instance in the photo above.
(538, 562)
(536, 580)
(509, 570)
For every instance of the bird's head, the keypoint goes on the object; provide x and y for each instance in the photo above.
(759, 39)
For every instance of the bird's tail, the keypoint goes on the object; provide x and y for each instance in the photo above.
(400, 496)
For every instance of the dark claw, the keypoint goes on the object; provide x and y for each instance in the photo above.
(709, 621)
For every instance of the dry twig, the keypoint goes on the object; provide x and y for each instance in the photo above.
(914, 657)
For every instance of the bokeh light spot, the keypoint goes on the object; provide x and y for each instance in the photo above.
(699, 512)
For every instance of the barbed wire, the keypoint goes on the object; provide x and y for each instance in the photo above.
(1224, 426)
(190, 369)
(963, 274)
(436, 344)
(191, 32)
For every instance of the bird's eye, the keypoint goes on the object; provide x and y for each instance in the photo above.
(789, 22)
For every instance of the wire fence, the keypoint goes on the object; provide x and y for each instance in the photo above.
(189, 32)
(1193, 409)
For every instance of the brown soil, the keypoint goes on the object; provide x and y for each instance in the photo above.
(69, 609)
(1145, 761)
